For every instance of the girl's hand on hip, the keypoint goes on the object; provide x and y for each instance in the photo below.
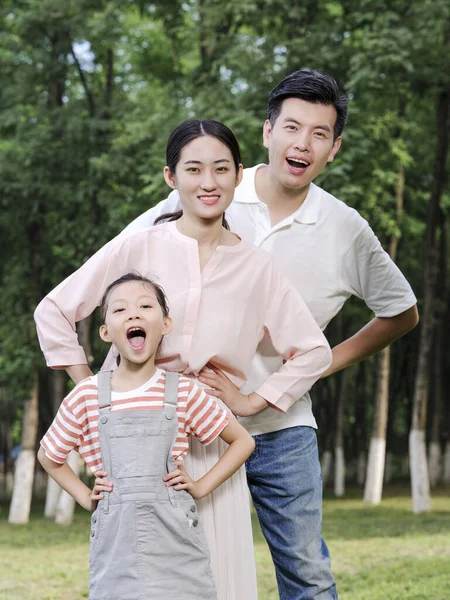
(180, 480)
(101, 484)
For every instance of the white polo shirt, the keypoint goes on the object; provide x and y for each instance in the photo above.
(329, 253)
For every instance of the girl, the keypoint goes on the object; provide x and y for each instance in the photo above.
(225, 296)
(146, 528)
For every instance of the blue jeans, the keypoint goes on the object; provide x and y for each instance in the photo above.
(285, 482)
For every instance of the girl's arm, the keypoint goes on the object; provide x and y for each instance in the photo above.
(241, 445)
(71, 483)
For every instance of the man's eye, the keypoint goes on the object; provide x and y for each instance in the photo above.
(291, 127)
(192, 170)
(222, 169)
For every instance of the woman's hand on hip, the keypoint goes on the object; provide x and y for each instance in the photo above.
(222, 387)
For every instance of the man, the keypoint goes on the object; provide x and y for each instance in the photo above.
(329, 253)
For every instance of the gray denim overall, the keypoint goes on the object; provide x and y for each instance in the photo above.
(146, 539)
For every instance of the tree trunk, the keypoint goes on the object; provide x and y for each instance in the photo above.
(438, 364)
(434, 449)
(417, 452)
(339, 459)
(388, 468)
(446, 469)
(19, 510)
(360, 425)
(377, 451)
(327, 460)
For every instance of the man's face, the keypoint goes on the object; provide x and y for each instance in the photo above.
(301, 142)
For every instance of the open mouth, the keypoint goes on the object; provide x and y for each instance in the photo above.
(297, 164)
(136, 337)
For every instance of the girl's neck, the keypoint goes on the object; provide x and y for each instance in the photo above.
(129, 376)
(208, 233)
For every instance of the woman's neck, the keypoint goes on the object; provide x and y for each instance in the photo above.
(129, 376)
(208, 233)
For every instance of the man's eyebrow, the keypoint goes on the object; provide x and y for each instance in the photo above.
(292, 120)
(199, 162)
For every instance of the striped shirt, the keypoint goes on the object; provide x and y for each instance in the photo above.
(76, 423)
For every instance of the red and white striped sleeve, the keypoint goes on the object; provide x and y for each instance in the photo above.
(65, 432)
(205, 418)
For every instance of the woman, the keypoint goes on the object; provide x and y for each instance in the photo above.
(224, 296)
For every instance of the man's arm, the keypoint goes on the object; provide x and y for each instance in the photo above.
(370, 339)
(171, 204)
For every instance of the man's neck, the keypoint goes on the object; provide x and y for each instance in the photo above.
(281, 201)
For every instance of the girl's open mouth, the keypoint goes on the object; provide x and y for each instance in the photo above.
(136, 337)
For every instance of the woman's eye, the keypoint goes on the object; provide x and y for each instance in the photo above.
(222, 169)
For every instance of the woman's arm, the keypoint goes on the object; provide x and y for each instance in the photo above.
(241, 445)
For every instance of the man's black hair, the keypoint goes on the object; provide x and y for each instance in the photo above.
(310, 86)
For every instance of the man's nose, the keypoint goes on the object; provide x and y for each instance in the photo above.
(303, 142)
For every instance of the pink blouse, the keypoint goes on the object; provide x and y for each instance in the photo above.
(219, 314)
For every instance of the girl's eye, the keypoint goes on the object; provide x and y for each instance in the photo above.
(116, 310)
(146, 306)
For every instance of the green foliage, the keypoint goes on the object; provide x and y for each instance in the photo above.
(91, 90)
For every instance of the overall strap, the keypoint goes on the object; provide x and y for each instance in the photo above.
(171, 390)
(104, 390)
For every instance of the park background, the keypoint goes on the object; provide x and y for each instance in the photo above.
(90, 91)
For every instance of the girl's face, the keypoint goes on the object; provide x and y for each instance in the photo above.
(134, 322)
(205, 178)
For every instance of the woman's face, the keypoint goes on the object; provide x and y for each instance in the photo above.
(205, 178)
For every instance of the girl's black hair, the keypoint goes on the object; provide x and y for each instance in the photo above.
(187, 132)
(133, 276)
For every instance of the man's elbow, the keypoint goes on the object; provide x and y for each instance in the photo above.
(411, 318)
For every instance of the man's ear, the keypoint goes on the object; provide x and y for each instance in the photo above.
(167, 327)
(334, 149)
(170, 178)
(104, 333)
(267, 130)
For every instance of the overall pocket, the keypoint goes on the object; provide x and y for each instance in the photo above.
(137, 451)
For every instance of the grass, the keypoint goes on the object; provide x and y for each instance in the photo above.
(379, 553)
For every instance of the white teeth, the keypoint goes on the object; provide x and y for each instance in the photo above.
(303, 163)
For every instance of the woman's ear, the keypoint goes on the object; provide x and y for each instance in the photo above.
(170, 178)
(239, 174)
(104, 333)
